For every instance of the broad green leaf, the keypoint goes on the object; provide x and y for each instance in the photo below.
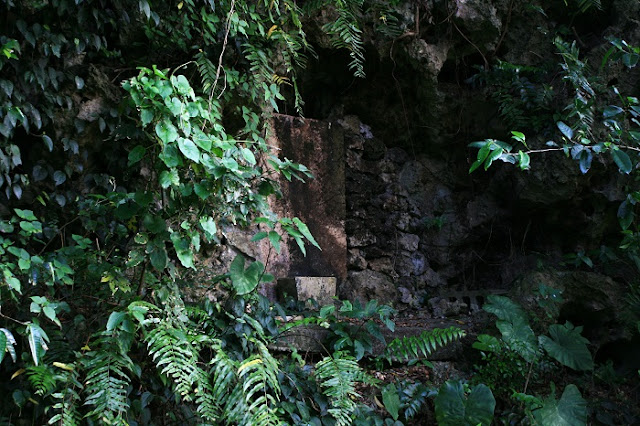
(453, 409)
(189, 149)
(503, 307)
(174, 105)
(168, 178)
(275, 238)
(11, 281)
(585, 160)
(487, 343)
(248, 156)
(485, 149)
(115, 319)
(47, 142)
(146, 115)
(37, 341)
(524, 160)
(201, 190)
(155, 224)
(136, 155)
(391, 400)
(622, 160)
(170, 156)
(24, 264)
(6, 227)
(203, 141)
(166, 131)
(25, 214)
(305, 231)
(158, 256)
(568, 347)
(3, 345)
(244, 281)
(208, 226)
(259, 236)
(230, 163)
(566, 130)
(570, 410)
(59, 177)
(612, 111)
(519, 136)
(630, 60)
(183, 250)
(50, 313)
(10, 347)
(493, 155)
(519, 337)
(181, 84)
(626, 214)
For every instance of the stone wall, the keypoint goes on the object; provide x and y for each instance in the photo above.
(418, 226)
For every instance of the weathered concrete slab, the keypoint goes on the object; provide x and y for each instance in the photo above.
(315, 339)
(320, 289)
(319, 202)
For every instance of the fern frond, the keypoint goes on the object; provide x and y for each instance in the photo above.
(107, 381)
(42, 378)
(174, 355)
(247, 391)
(258, 62)
(346, 33)
(207, 406)
(174, 340)
(413, 397)
(423, 345)
(67, 413)
(207, 70)
(584, 5)
(337, 376)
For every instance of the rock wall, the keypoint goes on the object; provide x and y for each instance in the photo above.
(418, 225)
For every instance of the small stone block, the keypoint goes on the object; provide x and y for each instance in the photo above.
(320, 289)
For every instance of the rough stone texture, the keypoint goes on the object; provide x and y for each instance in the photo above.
(320, 289)
(592, 300)
(415, 222)
(366, 285)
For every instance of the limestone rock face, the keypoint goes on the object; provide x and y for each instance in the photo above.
(589, 299)
(367, 285)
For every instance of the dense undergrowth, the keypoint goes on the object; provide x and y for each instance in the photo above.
(131, 132)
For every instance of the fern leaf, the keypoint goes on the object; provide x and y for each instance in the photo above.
(207, 70)
(42, 378)
(107, 380)
(337, 376)
(415, 347)
(174, 355)
(346, 33)
(67, 413)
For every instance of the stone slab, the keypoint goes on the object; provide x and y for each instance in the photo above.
(319, 201)
(320, 289)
